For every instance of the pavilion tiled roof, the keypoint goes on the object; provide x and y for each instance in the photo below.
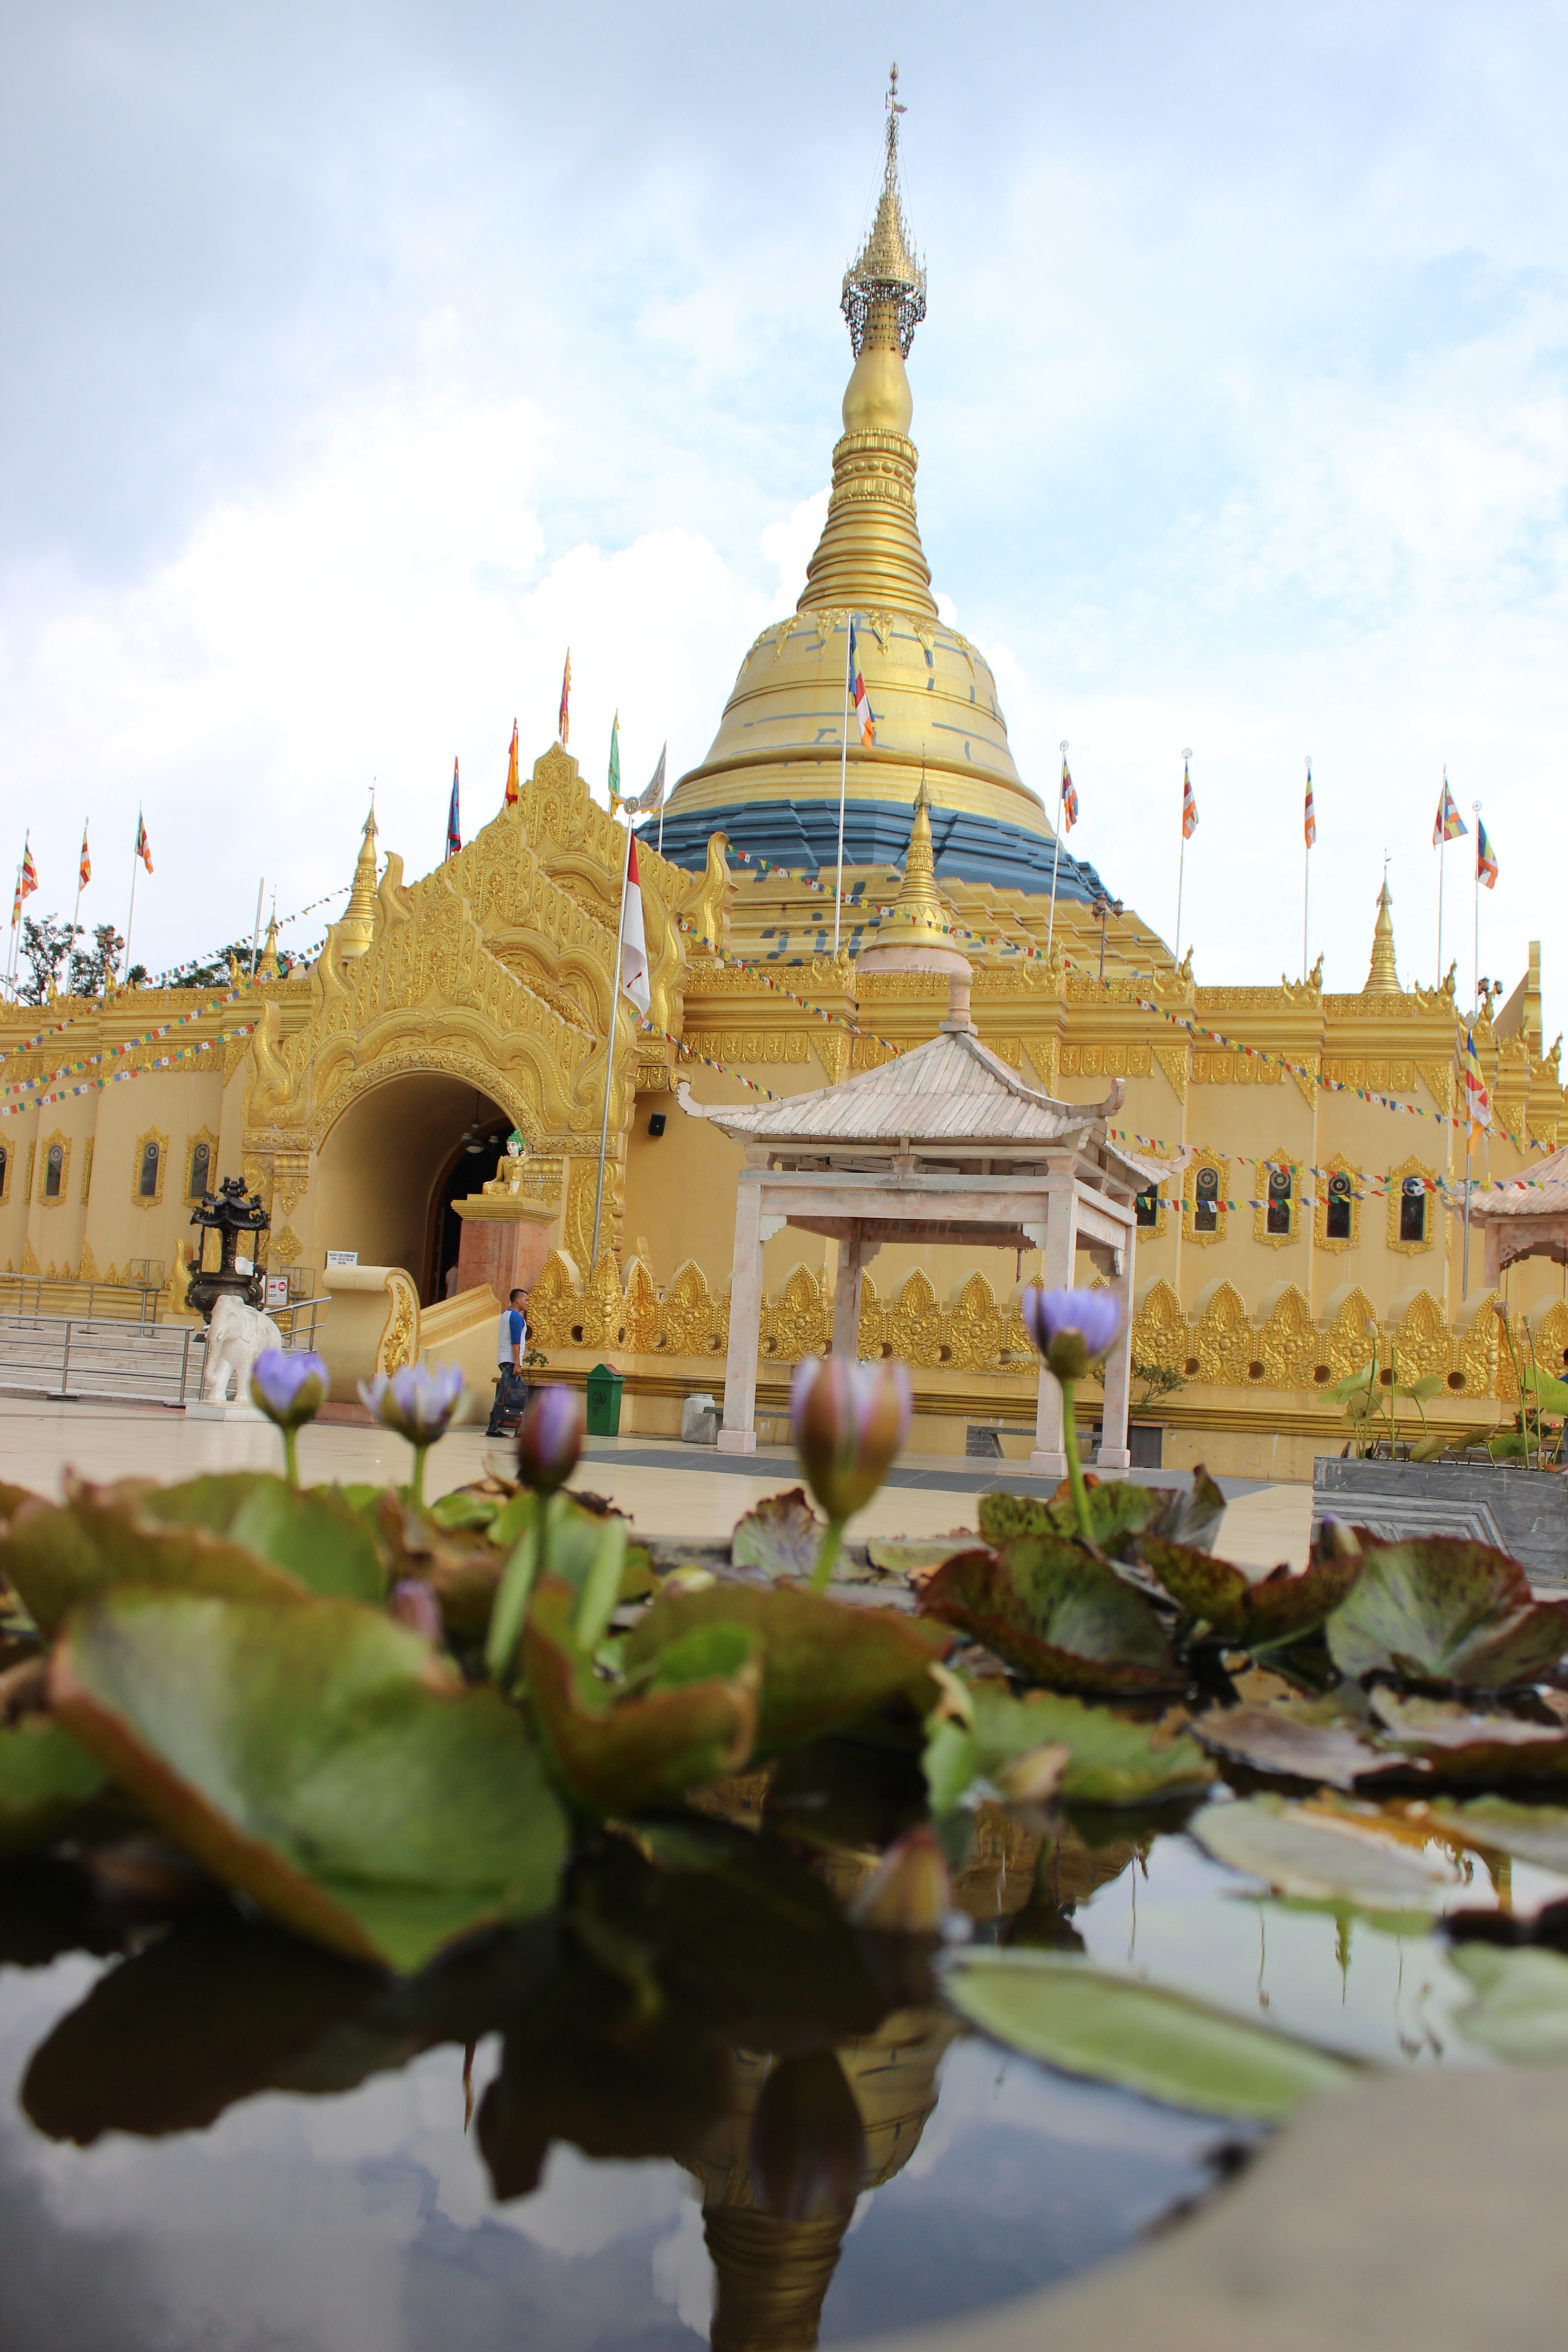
(951, 1091)
(1540, 1192)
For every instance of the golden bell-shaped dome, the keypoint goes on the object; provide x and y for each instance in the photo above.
(780, 741)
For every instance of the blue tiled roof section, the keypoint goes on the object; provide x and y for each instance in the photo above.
(804, 835)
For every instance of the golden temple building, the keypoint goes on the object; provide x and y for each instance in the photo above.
(1313, 1137)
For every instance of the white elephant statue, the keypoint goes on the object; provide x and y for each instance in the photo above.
(237, 1334)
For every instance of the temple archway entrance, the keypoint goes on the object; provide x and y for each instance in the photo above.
(389, 1169)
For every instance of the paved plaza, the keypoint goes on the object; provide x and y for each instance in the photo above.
(668, 1488)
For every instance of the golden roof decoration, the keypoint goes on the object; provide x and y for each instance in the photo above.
(357, 921)
(1382, 980)
(916, 935)
(884, 297)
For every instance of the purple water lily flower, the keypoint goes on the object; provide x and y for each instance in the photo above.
(1072, 1328)
(550, 1439)
(417, 1401)
(289, 1388)
(413, 1604)
(848, 1420)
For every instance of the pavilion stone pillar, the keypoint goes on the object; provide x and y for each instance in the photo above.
(854, 1256)
(1113, 1449)
(739, 1432)
(1056, 1237)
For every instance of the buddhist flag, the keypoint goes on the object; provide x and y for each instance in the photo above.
(633, 938)
(1189, 805)
(1477, 1101)
(1069, 798)
(1309, 817)
(862, 699)
(29, 882)
(1450, 825)
(652, 795)
(1486, 859)
(511, 783)
(84, 871)
(564, 723)
(615, 762)
(143, 849)
(453, 824)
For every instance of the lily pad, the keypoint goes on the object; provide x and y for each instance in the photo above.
(1118, 1508)
(1521, 2009)
(783, 1536)
(1325, 1857)
(691, 1719)
(1110, 1761)
(1537, 1834)
(1303, 1739)
(1113, 2029)
(47, 1779)
(321, 1761)
(1057, 1613)
(1440, 1610)
(313, 1532)
(916, 1556)
(824, 1662)
(1455, 1741)
(1190, 1513)
(1273, 1608)
(59, 1555)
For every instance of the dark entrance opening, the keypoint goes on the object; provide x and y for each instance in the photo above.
(474, 1161)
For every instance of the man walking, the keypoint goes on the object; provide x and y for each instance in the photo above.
(511, 1389)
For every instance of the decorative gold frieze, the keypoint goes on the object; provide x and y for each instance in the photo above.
(1221, 1341)
(1173, 1060)
(1288, 1343)
(85, 1171)
(1159, 1329)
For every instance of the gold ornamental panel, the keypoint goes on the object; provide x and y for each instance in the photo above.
(1159, 1329)
(85, 1171)
(1421, 1345)
(55, 1162)
(1222, 1342)
(1264, 1169)
(915, 1324)
(1428, 1176)
(1288, 1343)
(1323, 1187)
(1211, 1196)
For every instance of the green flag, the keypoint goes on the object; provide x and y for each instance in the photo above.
(615, 759)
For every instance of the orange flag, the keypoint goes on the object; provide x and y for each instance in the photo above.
(511, 784)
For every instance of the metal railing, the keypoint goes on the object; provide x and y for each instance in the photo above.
(104, 1301)
(69, 1357)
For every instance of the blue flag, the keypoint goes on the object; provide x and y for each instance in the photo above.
(453, 830)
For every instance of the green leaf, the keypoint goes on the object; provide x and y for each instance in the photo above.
(1113, 2029)
(952, 1762)
(1550, 1394)
(620, 1751)
(1508, 1445)
(1300, 1738)
(1113, 1761)
(913, 1556)
(1256, 1611)
(782, 1535)
(1458, 1742)
(1354, 1384)
(602, 1585)
(311, 1532)
(1324, 1856)
(58, 1555)
(1057, 1613)
(1521, 2009)
(1537, 1834)
(1191, 1514)
(824, 1661)
(319, 1760)
(1440, 1610)
(1118, 1508)
(47, 1779)
(463, 1509)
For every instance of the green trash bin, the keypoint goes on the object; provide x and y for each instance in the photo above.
(604, 1402)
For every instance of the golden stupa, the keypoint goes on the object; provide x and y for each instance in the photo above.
(770, 779)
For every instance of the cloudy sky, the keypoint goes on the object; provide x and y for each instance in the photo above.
(358, 357)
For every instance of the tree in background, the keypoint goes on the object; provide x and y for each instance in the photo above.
(44, 945)
(94, 968)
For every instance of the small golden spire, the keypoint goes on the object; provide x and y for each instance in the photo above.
(357, 921)
(916, 934)
(1382, 980)
(884, 297)
(267, 968)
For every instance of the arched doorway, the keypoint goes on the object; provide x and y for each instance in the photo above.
(389, 1169)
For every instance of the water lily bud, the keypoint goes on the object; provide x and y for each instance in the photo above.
(550, 1439)
(848, 1421)
(808, 2143)
(1071, 1328)
(415, 1605)
(909, 1891)
(418, 1401)
(290, 1389)
(1337, 1539)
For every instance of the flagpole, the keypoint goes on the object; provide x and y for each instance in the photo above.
(256, 934)
(843, 781)
(75, 910)
(135, 861)
(1476, 948)
(610, 1045)
(1055, 862)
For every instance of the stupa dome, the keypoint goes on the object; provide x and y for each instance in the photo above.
(771, 776)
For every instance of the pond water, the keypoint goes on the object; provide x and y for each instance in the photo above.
(213, 2137)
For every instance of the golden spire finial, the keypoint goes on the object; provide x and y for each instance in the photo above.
(357, 921)
(267, 968)
(884, 297)
(1383, 979)
(915, 934)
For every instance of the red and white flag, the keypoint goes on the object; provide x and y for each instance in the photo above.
(1309, 815)
(1189, 805)
(858, 695)
(633, 938)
